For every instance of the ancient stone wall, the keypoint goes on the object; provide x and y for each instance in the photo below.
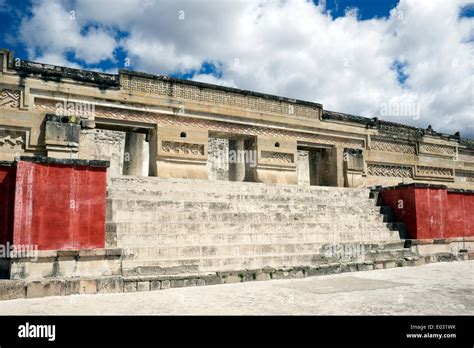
(177, 118)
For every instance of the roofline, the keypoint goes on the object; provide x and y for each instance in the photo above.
(218, 87)
(377, 123)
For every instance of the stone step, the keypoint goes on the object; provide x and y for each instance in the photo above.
(227, 250)
(166, 239)
(220, 264)
(153, 184)
(257, 202)
(153, 180)
(238, 197)
(206, 211)
(200, 227)
(350, 216)
(222, 194)
(315, 205)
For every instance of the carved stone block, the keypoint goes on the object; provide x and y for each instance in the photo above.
(389, 170)
(10, 99)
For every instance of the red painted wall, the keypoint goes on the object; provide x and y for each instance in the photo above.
(7, 203)
(431, 205)
(460, 215)
(432, 213)
(59, 206)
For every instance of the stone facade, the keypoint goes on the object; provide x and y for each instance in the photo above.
(174, 128)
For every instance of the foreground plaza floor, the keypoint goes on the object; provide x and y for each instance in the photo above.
(436, 289)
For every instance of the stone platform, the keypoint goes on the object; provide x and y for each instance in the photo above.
(164, 233)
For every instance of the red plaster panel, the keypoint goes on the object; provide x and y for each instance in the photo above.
(460, 215)
(432, 213)
(7, 203)
(59, 206)
(431, 205)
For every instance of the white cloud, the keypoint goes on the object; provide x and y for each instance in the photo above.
(291, 48)
(57, 59)
(53, 31)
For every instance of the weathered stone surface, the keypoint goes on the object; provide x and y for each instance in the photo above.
(316, 271)
(232, 279)
(109, 285)
(165, 284)
(190, 282)
(177, 283)
(390, 264)
(43, 288)
(114, 252)
(68, 253)
(47, 254)
(130, 287)
(143, 286)
(155, 285)
(263, 276)
(72, 287)
(378, 265)
(278, 274)
(12, 289)
(88, 286)
(90, 253)
(214, 280)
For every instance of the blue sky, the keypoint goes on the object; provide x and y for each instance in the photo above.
(368, 9)
(357, 56)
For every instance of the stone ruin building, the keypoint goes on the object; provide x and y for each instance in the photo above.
(123, 183)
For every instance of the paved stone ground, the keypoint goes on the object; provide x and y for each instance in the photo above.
(437, 289)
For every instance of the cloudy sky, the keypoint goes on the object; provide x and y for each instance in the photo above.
(409, 61)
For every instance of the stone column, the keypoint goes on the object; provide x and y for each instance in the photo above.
(236, 160)
(339, 159)
(133, 157)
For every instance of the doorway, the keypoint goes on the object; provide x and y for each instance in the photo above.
(128, 147)
(316, 165)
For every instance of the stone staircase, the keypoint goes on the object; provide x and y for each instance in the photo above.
(172, 226)
(164, 233)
